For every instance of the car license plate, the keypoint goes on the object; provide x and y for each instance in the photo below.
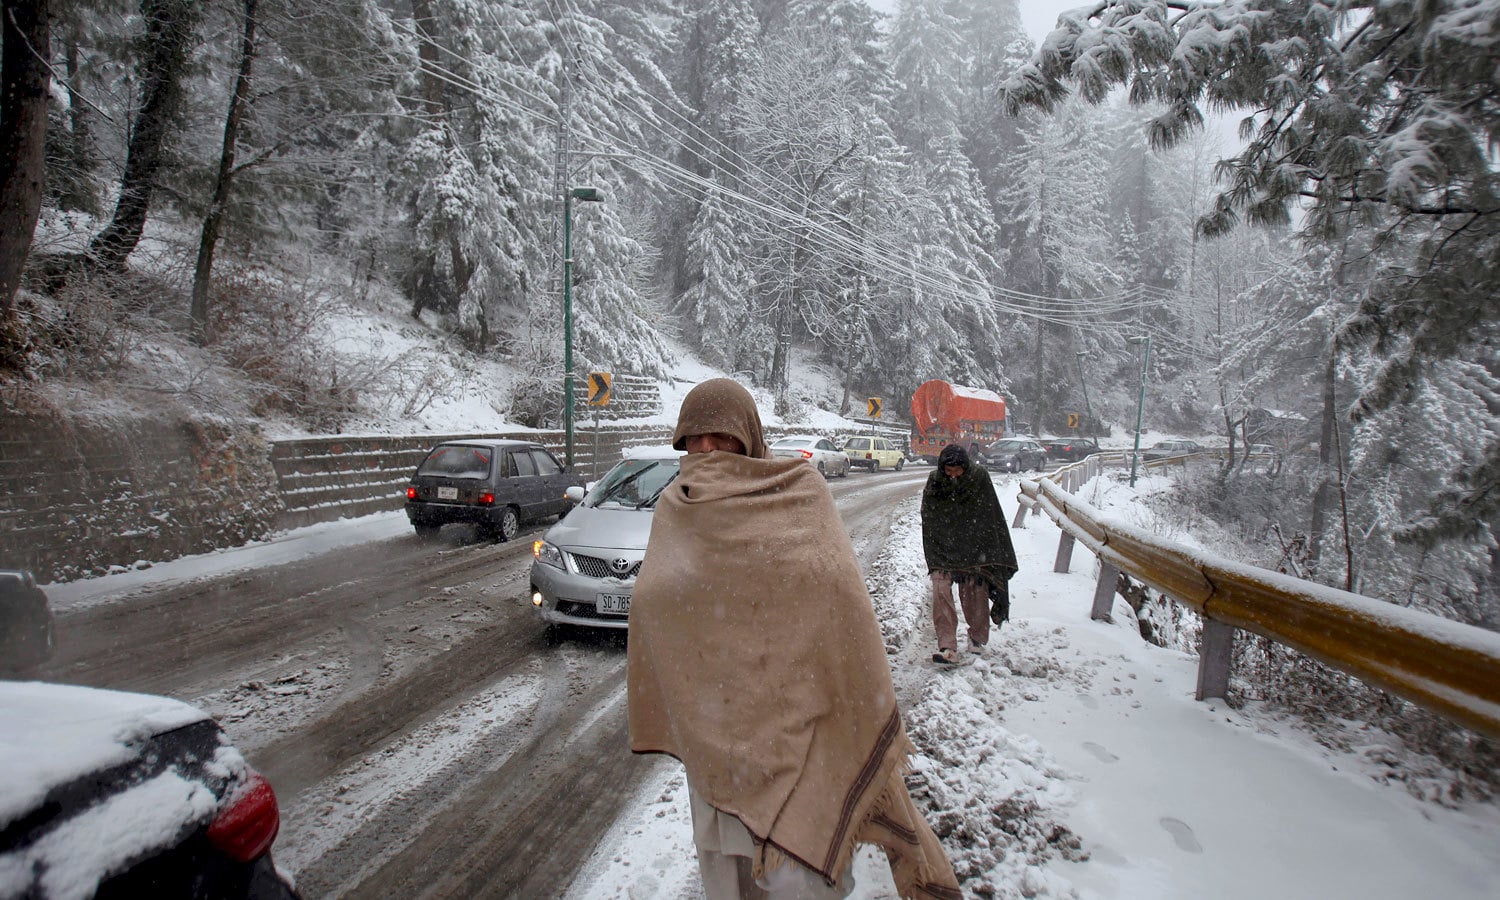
(448, 493)
(613, 603)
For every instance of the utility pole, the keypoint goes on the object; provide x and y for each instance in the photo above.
(1140, 403)
(1088, 410)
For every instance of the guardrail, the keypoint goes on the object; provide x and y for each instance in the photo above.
(1444, 666)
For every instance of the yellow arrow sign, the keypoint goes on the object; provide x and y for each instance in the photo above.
(874, 404)
(599, 388)
(1072, 420)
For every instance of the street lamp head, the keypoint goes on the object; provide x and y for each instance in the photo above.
(1136, 340)
(587, 194)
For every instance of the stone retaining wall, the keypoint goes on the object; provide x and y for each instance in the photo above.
(322, 479)
(79, 496)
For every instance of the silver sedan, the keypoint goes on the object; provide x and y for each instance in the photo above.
(819, 451)
(584, 568)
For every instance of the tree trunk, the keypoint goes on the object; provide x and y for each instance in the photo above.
(1323, 496)
(238, 100)
(23, 110)
(169, 29)
(76, 188)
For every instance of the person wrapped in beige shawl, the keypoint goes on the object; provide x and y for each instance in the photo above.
(755, 658)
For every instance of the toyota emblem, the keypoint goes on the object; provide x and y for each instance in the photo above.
(620, 564)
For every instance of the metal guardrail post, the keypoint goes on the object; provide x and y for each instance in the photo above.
(1064, 554)
(1104, 591)
(1214, 656)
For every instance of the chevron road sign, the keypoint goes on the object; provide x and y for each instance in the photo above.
(599, 388)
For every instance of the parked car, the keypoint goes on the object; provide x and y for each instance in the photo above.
(1171, 450)
(873, 453)
(583, 569)
(496, 485)
(112, 794)
(1070, 449)
(1013, 455)
(819, 451)
(26, 635)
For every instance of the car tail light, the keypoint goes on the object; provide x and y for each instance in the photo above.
(486, 499)
(411, 492)
(807, 454)
(246, 827)
(869, 456)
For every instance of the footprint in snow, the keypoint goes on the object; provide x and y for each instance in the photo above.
(1182, 834)
(1100, 753)
(1088, 700)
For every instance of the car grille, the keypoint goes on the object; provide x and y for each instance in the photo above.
(594, 567)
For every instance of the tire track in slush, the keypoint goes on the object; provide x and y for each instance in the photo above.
(377, 716)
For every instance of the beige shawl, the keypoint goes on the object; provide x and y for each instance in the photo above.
(755, 658)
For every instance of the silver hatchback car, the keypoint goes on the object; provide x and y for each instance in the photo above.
(584, 568)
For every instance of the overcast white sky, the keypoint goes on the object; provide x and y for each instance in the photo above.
(1037, 15)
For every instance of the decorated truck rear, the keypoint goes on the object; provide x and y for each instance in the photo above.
(943, 413)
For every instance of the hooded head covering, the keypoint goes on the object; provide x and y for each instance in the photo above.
(954, 455)
(721, 406)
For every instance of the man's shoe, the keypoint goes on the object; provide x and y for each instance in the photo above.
(946, 657)
(976, 648)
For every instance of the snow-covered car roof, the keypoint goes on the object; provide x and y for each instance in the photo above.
(654, 451)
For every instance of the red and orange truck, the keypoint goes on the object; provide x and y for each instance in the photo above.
(943, 413)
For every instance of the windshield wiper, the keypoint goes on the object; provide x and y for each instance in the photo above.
(625, 482)
(652, 499)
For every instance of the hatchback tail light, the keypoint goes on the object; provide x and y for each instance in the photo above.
(247, 826)
(869, 456)
(411, 492)
(807, 454)
(486, 499)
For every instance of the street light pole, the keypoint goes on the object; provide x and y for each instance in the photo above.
(1140, 404)
(1087, 409)
(590, 195)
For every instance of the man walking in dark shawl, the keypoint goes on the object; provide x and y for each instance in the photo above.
(967, 543)
(756, 659)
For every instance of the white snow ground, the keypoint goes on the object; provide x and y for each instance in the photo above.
(1071, 761)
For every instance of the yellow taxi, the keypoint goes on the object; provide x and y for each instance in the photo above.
(874, 453)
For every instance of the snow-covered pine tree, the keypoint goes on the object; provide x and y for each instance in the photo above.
(721, 294)
(1374, 115)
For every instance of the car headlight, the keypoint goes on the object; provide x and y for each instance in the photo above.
(547, 553)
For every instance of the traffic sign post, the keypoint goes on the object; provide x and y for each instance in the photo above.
(1073, 421)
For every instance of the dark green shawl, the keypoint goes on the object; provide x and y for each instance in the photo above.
(963, 529)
